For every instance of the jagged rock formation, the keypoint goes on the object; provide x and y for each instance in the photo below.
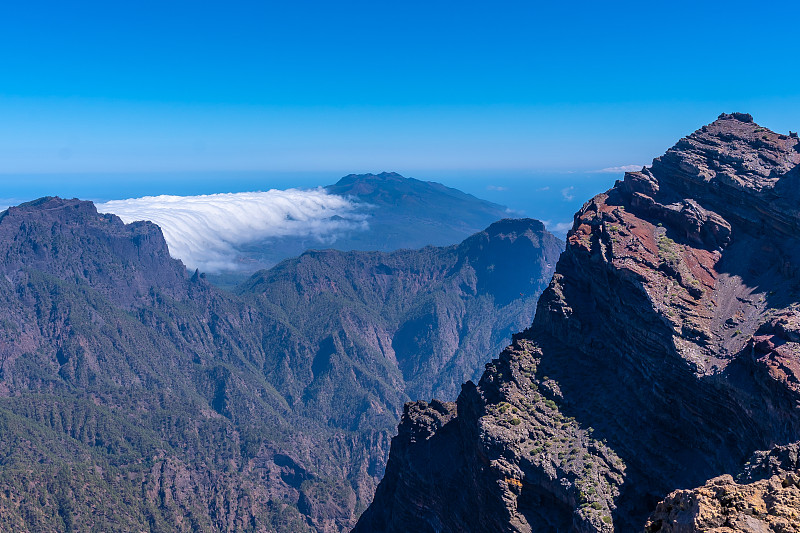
(663, 354)
(765, 498)
(724, 506)
(136, 396)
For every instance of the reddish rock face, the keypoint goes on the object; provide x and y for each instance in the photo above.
(663, 354)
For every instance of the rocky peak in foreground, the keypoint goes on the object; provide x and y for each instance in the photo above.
(764, 497)
(663, 354)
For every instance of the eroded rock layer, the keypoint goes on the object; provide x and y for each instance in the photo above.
(662, 355)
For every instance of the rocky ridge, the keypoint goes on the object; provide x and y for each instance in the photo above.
(663, 354)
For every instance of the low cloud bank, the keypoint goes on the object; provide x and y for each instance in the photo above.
(558, 228)
(617, 170)
(205, 231)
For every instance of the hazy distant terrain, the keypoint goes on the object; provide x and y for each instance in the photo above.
(230, 236)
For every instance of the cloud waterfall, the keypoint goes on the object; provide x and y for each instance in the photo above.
(205, 231)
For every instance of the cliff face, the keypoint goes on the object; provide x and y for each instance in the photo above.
(417, 320)
(663, 353)
(136, 396)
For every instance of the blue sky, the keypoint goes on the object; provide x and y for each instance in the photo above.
(305, 90)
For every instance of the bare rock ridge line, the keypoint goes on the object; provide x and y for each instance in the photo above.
(663, 355)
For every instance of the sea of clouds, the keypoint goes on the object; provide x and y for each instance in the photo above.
(205, 231)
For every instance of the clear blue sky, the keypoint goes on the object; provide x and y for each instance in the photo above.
(417, 87)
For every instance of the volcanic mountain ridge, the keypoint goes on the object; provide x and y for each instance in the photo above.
(664, 353)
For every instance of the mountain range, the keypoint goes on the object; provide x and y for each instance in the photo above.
(653, 384)
(137, 396)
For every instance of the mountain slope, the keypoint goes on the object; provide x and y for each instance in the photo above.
(662, 354)
(409, 213)
(134, 396)
(425, 315)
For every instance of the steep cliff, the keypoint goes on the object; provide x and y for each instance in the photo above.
(419, 320)
(663, 354)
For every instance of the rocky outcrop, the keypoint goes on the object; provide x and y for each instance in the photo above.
(662, 355)
(764, 498)
(508, 461)
(723, 506)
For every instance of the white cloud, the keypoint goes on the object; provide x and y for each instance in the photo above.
(204, 231)
(498, 188)
(616, 170)
(5, 203)
(566, 193)
(559, 228)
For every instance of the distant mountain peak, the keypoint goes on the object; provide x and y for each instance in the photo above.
(390, 187)
(54, 202)
(411, 213)
(359, 184)
(382, 176)
(508, 225)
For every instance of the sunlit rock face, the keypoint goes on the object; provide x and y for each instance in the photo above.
(663, 354)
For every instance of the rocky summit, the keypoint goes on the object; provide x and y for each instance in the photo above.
(663, 356)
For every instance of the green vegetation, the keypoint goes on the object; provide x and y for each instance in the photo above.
(668, 251)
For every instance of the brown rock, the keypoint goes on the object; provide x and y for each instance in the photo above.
(641, 358)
